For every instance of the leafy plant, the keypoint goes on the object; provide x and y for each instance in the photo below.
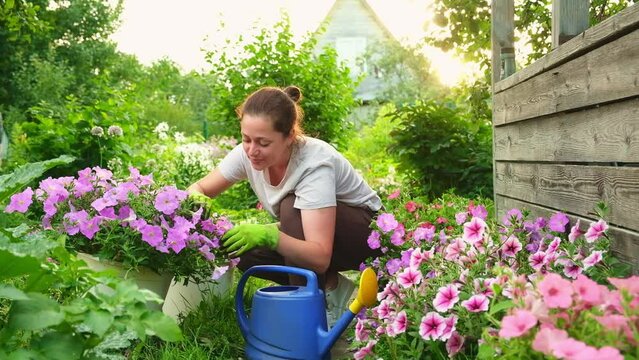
(82, 319)
(440, 146)
(449, 272)
(274, 59)
(130, 220)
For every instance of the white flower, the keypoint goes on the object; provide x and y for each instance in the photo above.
(97, 131)
(115, 130)
(179, 137)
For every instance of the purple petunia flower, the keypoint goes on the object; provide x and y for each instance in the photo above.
(20, 202)
(387, 222)
(558, 222)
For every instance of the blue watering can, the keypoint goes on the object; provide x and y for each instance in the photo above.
(289, 322)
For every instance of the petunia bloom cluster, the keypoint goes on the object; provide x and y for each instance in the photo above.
(132, 220)
(573, 319)
(440, 272)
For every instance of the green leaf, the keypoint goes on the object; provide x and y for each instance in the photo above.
(12, 265)
(163, 326)
(485, 352)
(12, 293)
(21, 241)
(39, 312)
(60, 346)
(22, 176)
(503, 305)
(22, 354)
(99, 321)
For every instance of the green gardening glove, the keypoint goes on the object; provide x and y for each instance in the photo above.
(244, 237)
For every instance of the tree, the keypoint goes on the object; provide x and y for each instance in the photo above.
(406, 70)
(273, 59)
(464, 26)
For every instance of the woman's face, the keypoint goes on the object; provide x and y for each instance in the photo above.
(263, 145)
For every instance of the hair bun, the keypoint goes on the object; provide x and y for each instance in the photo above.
(294, 93)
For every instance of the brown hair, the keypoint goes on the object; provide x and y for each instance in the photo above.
(279, 105)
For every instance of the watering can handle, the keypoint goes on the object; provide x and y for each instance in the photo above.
(311, 283)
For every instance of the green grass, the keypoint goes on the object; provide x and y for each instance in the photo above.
(210, 331)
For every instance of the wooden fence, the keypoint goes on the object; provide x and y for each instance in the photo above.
(566, 128)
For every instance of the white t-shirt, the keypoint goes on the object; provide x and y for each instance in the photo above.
(317, 174)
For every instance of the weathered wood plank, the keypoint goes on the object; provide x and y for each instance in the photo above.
(622, 23)
(624, 245)
(569, 18)
(574, 188)
(609, 133)
(611, 72)
(503, 38)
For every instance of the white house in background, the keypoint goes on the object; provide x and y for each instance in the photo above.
(350, 27)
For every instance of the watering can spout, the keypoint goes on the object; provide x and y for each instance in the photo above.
(366, 297)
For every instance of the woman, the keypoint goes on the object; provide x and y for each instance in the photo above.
(323, 205)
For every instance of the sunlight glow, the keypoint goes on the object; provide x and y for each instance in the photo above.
(155, 29)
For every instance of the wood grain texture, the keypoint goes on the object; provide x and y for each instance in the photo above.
(602, 33)
(608, 73)
(608, 133)
(624, 244)
(573, 188)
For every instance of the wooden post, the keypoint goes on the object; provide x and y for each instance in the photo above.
(569, 18)
(503, 34)
(503, 51)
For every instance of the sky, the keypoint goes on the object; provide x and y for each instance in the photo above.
(153, 29)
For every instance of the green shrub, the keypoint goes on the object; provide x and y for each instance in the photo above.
(368, 152)
(273, 59)
(442, 146)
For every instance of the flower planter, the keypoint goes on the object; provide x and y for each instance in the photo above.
(181, 299)
(144, 277)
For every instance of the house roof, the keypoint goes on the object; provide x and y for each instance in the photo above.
(338, 4)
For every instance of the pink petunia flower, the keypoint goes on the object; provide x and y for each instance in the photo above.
(400, 323)
(411, 206)
(567, 348)
(593, 259)
(451, 326)
(447, 296)
(394, 194)
(361, 332)
(456, 248)
(572, 270)
(517, 324)
(365, 351)
(474, 230)
(409, 277)
(461, 217)
(537, 260)
(454, 344)
(546, 337)
(575, 232)
(556, 291)
(432, 326)
(596, 230)
(609, 353)
(476, 303)
(588, 290)
(511, 247)
(630, 284)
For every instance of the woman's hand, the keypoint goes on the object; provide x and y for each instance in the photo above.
(245, 237)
